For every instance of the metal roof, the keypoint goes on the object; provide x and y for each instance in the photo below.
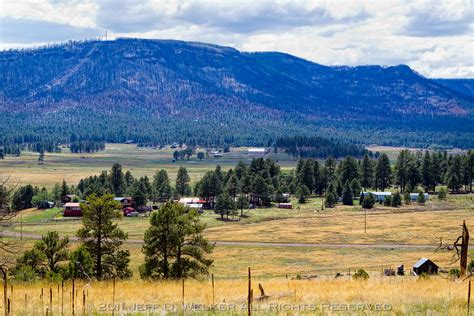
(422, 261)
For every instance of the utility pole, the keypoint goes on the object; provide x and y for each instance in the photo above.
(365, 221)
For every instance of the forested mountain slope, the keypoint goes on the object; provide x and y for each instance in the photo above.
(161, 91)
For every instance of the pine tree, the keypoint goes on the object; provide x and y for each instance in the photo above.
(81, 265)
(306, 174)
(427, 174)
(41, 157)
(347, 195)
(161, 187)
(103, 238)
(355, 187)
(330, 200)
(303, 193)
(174, 246)
(396, 200)
(367, 172)
(232, 186)
(368, 202)
(117, 182)
(421, 198)
(454, 174)
(225, 205)
(383, 172)
(182, 182)
(349, 169)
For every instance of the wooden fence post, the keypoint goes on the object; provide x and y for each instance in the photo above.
(468, 297)
(11, 298)
(62, 297)
(249, 298)
(113, 296)
(42, 301)
(5, 289)
(73, 298)
(26, 303)
(213, 289)
(83, 302)
(51, 300)
(182, 293)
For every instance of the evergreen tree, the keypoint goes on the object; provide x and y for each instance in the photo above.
(161, 187)
(174, 246)
(396, 200)
(368, 202)
(347, 195)
(387, 201)
(306, 174)
(232, 186)
(383, 172)
(200, 155)
(303, 193)
(367, 172)
(41, 157)
(117, 181)
(330, 200)
(64, 189)
(81, 265)
(260, 190)
(225, 205)
(421, 198)
(427, 174)
(454, 174)
(128, 179)
(54, 249)
(103, 238)
(349, 169)
(355, 187)
(182, 182)
(22, 198)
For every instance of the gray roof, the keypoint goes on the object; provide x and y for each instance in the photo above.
(421, 262)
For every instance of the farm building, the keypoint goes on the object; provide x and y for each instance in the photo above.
(425, 265)
(379, 196)
(414, 196)
(285, 205)
(125, 201)
(72, 209)
(256, 151)
(69, 198)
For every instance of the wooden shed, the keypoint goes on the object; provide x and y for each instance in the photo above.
(425, 265)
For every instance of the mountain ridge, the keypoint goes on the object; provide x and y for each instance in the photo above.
(193, 83)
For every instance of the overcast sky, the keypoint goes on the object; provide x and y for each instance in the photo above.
(433, 37)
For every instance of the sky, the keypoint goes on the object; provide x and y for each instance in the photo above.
(435, 38)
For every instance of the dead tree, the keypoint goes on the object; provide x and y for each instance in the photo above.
(460, 247)
(7, 219)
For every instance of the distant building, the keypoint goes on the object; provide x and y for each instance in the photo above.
(69, 198)
(425, 265)
(125, 201)
(256, 151)
(72, 209)
(285, 205)
(378, 196)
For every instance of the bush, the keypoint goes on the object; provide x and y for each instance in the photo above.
(25, 273)
(421, 198)
(330, 200)
(470, 266)
(387, 201)
(442, 193)
(455, 273)
(406, 197)
(396, 200)
(424, 276)
(360, 274)
(303, 193)
(368, 201)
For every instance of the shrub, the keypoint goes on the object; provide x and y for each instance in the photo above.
(25, 273)
(421, 198)
(330, 200)
(455, 273)
(470, 266)
(368, 201)
(360, 274)
(347, 197)
(387, 201)
(396, 200)
(424, 276)
(442, 193)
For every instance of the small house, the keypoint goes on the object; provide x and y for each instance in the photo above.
(125, 201)
(69, 198)
(425, 265)
(72, 209)
(414, 196)
(285, 205)
(379, 196)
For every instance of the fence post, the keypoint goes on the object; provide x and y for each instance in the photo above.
(11, 298)
(62, 297)
(182, 293)
(5, 289)
(83, 302)
(468, 297)
(249, 298)
(42, 301)
(51, 300)
(73, 298)
(26, 303)
(213, 295)
(113, 296)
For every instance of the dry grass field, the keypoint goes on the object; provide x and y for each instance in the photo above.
(386, 296)
(140, 161)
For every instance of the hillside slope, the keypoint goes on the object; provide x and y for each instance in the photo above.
(162, 91)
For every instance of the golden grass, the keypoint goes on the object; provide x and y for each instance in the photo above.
(396, 295)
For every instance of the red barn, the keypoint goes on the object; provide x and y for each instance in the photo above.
(72, 209)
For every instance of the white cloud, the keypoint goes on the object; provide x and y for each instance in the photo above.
(433, 37)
